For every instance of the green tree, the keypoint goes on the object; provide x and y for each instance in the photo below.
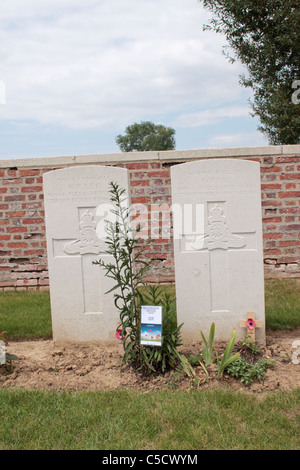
(146, 136)
(264, 36)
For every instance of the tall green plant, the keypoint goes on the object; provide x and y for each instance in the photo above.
(208, 346)
(227, 358)
(127, 271)
(123, 245)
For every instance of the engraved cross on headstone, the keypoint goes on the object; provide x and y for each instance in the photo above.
(219, 242)
(86, 246)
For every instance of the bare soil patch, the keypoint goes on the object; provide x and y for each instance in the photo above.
(76, 367)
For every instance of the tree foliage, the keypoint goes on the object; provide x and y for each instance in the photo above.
(146, 136)
(264, 36)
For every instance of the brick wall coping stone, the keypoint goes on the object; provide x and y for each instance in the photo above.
(44, 162)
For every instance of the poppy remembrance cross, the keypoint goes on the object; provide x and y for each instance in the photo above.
(251, 324)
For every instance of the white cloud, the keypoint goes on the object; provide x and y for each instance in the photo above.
(210, 116)
(101, 63)
(240, 139)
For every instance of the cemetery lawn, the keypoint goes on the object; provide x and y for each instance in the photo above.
(127, 420)
(282, 300)
(80, 398)
(27, 315)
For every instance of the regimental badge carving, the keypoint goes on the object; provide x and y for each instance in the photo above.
(217, 233)
(88, 241)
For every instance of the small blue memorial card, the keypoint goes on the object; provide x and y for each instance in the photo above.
(151, 325)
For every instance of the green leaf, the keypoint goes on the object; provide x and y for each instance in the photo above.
(11, 357)
(112, 289)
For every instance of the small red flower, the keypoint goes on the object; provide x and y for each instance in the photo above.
(119, 334)
(250, 323)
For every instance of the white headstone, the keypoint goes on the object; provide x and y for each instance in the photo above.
(218, 247)
(77, 201)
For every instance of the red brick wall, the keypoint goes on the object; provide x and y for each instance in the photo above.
(280, 178)
(23, 256)
(150, 185)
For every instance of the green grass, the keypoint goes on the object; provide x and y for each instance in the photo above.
(282, 301)
(27, 315)
(123, 420)
(127, 420)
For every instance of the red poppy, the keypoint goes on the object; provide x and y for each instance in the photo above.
(119, 334)
(250, 323)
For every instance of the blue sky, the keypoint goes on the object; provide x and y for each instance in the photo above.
(74, 74)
